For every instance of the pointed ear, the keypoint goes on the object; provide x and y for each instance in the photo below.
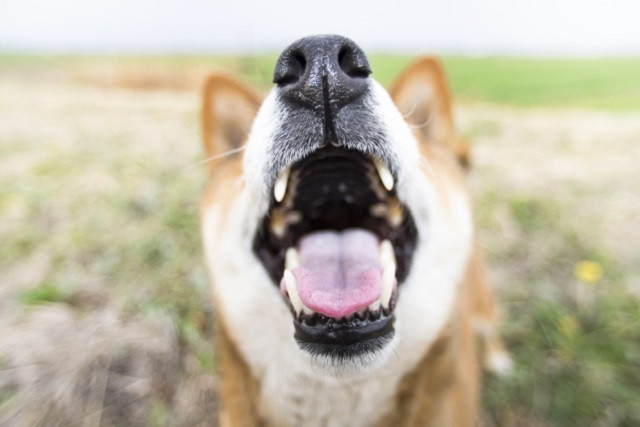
(422, 95)
(228, 109)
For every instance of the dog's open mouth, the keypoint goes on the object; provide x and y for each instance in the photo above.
(338, 241)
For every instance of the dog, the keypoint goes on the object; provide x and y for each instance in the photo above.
(338, 235)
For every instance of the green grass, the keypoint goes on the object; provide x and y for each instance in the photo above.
(592, 83)
(44, 293)
(575, 343)
(588, 83)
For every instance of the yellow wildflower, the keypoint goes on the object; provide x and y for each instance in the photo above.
(588, 271)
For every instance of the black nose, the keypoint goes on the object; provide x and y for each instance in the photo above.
(322, 73)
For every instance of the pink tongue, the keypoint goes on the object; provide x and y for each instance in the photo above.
(340, 272)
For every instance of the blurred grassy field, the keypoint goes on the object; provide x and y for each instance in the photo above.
(99, 188)
(594, 83)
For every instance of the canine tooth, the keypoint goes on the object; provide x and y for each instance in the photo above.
(292, 290)
(388, 277)
(386, 254)
(280, 188)
(388, 261)
(291, 259)
(374, 306)
(385, 174)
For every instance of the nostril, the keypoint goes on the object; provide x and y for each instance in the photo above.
(290, 69)
(353, 63)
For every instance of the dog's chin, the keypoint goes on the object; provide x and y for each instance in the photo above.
(355, 359)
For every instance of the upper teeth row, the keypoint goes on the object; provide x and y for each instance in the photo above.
(387, 260)
(280, 187)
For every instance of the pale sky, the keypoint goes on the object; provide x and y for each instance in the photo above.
(540, 27)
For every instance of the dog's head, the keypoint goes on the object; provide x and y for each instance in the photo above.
(344, 229)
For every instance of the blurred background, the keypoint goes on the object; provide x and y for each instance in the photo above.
(105, 315)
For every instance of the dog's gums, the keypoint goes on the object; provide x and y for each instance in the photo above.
(337, 241)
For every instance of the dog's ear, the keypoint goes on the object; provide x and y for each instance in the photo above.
(228, 109)
(422, 95)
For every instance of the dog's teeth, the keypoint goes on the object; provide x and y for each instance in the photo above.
(280, 188)
(386, 254)
(388, 262)
(395, 215)
(277, 223)
(293, 217)
(379, 210)
(374, 306)
(385, 174)
(292, 290)
(388, 280)
(291, 259)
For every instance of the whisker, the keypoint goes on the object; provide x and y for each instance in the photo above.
(423, 125)
(216, 157)
(413, 108)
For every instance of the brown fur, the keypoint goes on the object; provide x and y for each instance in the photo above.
(443, 388)
(238, 389)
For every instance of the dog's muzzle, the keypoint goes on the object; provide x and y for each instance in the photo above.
(336, 239)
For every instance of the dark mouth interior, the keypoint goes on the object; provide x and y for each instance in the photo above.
(338, 192)
(334, 189)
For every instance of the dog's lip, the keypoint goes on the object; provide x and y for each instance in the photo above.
(343, 333)
(347, 336)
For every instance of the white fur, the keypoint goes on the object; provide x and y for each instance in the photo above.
(296, 390)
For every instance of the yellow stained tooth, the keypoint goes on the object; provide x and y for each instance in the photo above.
(277, 222)
(379, 210)
(395, 216)
(291, 259)
(280, 188)
(385, 174)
